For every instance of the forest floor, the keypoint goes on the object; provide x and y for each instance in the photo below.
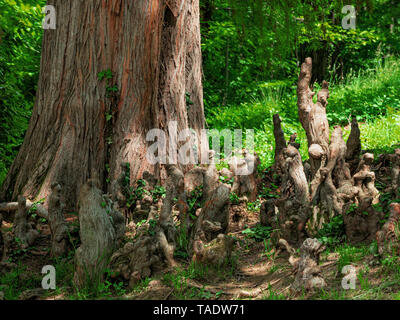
(255, 272)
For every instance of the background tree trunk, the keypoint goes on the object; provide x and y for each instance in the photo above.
(79, 125)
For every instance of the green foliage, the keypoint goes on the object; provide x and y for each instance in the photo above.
(104, 289)
(254, 206)
(367, 94)
(349, 254)
(106, 74)
(194, 201)
(269, 249)
(20, 42)
(152, 227)
(110, 88)
(248, 45)
(258, 233)
(272, 295)
(18, 280)
(333, 232)
(182, 242)
(234, 198)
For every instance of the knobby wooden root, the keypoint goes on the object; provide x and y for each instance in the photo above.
(388, 238)
(155, 240)
(23, 230)
(213, 218)
(395, 159)
(5, 243)
(57, 223)
(9, 209)
(353, 145)
(308, 273)
(154, 246)
(97, 233)
(216, 252)
(323, 187)
(244, 172)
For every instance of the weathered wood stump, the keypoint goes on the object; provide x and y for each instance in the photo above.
(57, 223)
(395, 173)
(23, 230)
(97, 235)
(388, 238)
(308, 272)
(216, 253)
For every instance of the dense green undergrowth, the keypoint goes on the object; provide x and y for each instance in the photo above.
(373, 96)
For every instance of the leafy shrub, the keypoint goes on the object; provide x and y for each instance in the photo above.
(258, 233)
(333, 232)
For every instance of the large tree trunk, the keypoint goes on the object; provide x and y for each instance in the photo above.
(152, 48)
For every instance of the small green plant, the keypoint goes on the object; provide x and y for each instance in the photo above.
(18, 280)
(108, 76)
(226, 180)
(194, 201)
(197, 271)
(234, 198)
(157, 192)
(140, 223)
(258, 233)
(352, 208)
(152, 227)
(269, 250)
(349, 254)
(33, 209)
(254, 206)
(333, 294)
(363, 279)
(141, 285)
(269, 193)
(272, 295)
(273, 269)
(333, 232)
(182, 243)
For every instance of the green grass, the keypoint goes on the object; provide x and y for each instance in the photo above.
(367, 94)
(18, 280)
(372, 95)
(383, 134)
(349, 255)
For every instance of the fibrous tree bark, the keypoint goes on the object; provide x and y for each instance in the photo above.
(388, 238)
(353, 145)
(395, 159)
(110, 72)
(97, 233)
